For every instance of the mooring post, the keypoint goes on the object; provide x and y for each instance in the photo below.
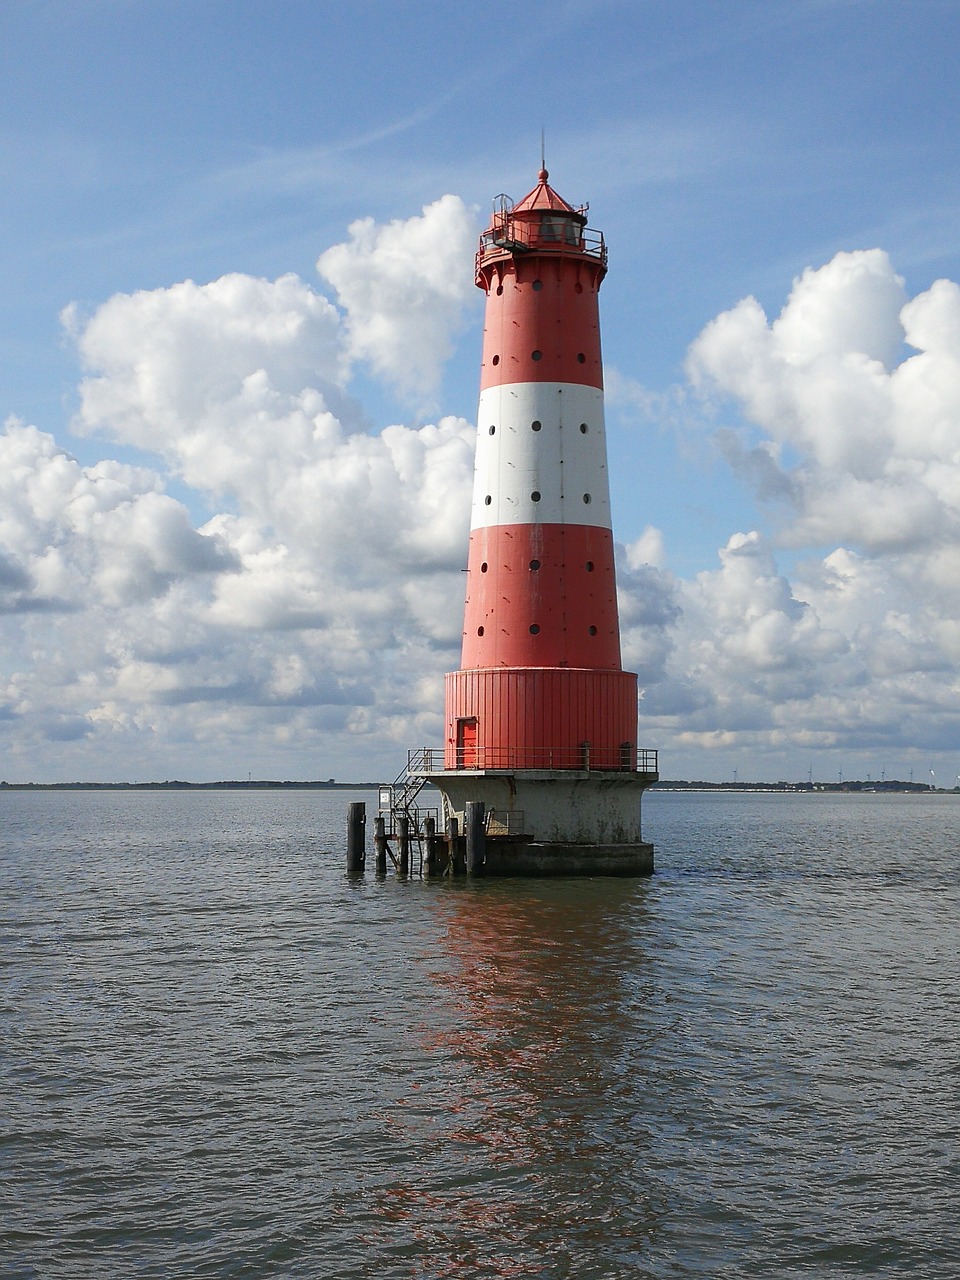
(356, 827)
(455, 866)
(380, 845)
(403, 825)
(429, 842)
(476, 836)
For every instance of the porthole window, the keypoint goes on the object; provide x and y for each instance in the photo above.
(589, 566)
(578, 287)
(592, 630)
(499, 290)
(535, 426)
(496, 359)
(534, 629)
(479, 631)
(483, 567)
(538, 355)
(581, 358)
(493, 430)
(487, 500)
(538, 285)
(534, 565)
(583, 428)
(535, 496)
(586, 499)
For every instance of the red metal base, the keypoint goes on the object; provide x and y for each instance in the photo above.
(541, 718)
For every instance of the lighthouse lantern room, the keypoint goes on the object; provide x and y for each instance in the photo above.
(541, 720)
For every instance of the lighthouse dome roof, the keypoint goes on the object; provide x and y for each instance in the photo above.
(543, 199)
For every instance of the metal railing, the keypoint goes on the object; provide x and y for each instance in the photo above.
(426, 760)
(416, 820)
(511, 235)
(397, 798)
(505, 822)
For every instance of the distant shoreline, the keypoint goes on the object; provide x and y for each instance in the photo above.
(786, 788)
(809, 788)
(261, 785)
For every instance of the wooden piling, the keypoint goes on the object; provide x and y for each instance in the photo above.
(456, 864)
(356, 828)
(431, 857)
(476, 838)
(380, 845)
(403, 827)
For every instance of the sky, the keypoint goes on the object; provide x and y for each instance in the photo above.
(239, 368)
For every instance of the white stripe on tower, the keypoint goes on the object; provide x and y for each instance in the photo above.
(541, 456)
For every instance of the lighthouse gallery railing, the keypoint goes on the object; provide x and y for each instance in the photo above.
(548, 235)
(424, 760)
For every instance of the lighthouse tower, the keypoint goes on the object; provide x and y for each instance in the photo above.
(541, 720)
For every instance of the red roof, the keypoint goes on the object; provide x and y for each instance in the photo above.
(543, 198)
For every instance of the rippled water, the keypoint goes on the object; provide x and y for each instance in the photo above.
(221, 1058)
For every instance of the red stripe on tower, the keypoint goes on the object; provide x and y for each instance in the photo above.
(540, 684)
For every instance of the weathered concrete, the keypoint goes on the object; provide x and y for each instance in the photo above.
(554, 822)
(530, 858)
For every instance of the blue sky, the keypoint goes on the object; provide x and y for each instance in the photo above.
(724, 149)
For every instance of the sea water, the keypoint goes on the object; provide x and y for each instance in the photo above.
(219, 1057)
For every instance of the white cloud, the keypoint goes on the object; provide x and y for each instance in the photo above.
(163, 363)
(816, 378)
(647, 549)
(746, 645)
(72, 535)
(322, 598)
(853, 443)
(404, 287)
(238, 385)
(875, 442)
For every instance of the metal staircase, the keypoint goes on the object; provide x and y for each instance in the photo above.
(398, 800)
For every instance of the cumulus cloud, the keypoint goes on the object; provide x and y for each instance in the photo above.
(72, 535)
(874, 437)
(403, 288)
(122, 619)
(322, 597)
(239, 386)
(850, 441)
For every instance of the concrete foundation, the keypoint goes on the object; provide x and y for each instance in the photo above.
(554, 822)
(505, 857)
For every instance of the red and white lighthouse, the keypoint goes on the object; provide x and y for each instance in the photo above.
(541, 720)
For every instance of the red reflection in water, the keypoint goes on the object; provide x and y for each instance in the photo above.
(524, 1055)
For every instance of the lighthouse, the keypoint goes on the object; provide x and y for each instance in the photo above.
(541, 719)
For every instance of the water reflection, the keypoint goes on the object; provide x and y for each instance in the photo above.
(529, 1078)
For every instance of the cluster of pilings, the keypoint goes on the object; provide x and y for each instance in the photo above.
(449, 853)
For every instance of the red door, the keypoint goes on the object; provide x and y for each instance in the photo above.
(467, 743)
